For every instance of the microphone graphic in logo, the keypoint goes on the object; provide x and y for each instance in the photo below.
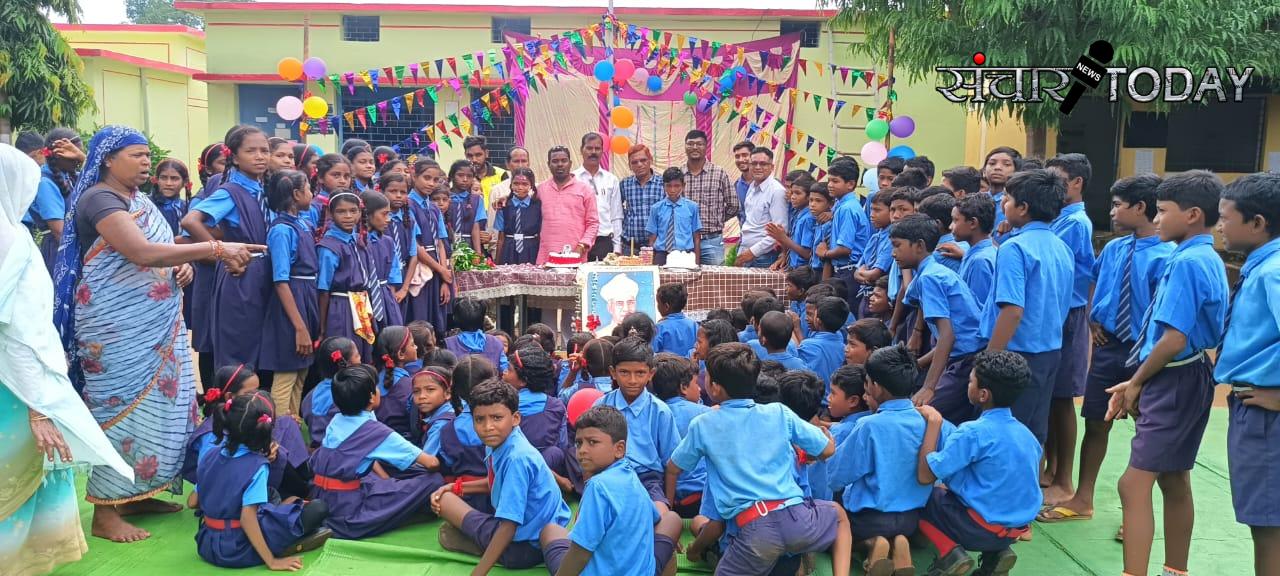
(1088, 73)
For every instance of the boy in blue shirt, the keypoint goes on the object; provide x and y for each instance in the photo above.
(676, 333)
(850, 229)
(776, 329)
(748, 305)
(674, 223)
(652, 434)
(751, 475)
(798, 282)
(939, 207)
(845, 401)
(1248, 360)
(1076, 231)
(947, 313)
(875, 468)
(991, 469)
(1173, 384)
(524, 492)
(613, 535)
(761, 307)
(1125, 276)
(675, 381)
(823, 352)
(797, 238)
(801, 391)
(971, 221)
(820, 205)
(1032, 292)
(878, 256)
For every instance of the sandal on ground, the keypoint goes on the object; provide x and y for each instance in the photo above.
(1063, 514)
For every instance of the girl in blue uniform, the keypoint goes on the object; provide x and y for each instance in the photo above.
(346, 277)
(461, 453)
(428, 302)
(465, 216)
(395, 348)
(332, 174)
(293, 316)
(171, 193)
(362, 167)
(334, 353)
(542, 414)
(519, 222)
(432, 406)
(402, 231)
(384, 254)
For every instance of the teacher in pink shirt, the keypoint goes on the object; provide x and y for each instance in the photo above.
(569, 216)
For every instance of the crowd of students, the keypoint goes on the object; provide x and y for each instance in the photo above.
(918, 376)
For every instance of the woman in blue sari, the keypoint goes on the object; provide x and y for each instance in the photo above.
(118, 308)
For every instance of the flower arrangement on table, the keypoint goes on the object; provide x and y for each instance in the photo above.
(465, 258)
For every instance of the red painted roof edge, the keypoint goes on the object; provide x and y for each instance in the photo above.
(136, 61)
(177, 28)
(195, 6)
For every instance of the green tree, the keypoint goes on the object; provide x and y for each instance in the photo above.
(1190, 33)
(40, 82)
(159, 12)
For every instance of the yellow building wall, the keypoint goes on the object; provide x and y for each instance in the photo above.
(1271, 144)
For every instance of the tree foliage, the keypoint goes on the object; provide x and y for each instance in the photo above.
(1194, 34)
(159, 12)
(40, 75)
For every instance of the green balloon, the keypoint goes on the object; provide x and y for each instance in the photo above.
(877, 129)
(692, 99)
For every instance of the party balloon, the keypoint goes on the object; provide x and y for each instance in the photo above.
(654, 83)
(620, 144)
(314, 68)
(315, 107)
(289, 68)
(641, 76)
(604, 71)
(726, 82)
(873, 152)
(617, 101)
(289, 107)
(704, 105)
(581, 401)
(902, 126)
(902, 151)
(623, 69)
(690, 98)
(623, 117)
(877, 129)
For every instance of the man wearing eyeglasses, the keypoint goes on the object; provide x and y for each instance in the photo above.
(709, 187)
(766, 202)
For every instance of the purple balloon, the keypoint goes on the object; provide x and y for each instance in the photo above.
(704, 105)
(314, 68)
(902, 126)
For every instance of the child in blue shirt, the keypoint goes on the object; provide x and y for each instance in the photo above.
(850, 229)
(748, 305)
(751, 475)
(801, 391)
(674, 223)
(797, 238)
(1248, 360)
(878, 256)
(761, 307)
(862, 338)
(824, 351)
(947, 313)
(1173, 384)
(524, 493)
(468, 317)
(798, 281)
(1125, 276)
(776, 329)
(675, 381)
(845, 402)
(589, 368)
(820, 205)
(971, 221)
(991, 470)
(652, 434)
(676, 332)
(1032, 292)
(938, 207)
(613, 535)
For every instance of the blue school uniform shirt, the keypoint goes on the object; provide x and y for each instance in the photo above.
(998, 198)
(977, 270)
(462, 198)
(993, 465)
(397, 374)
(328, 260)
(684, 411)
(876, 463)
(282, 245)
(612, 526)
(499, 223)
(687, 221)
(879, 252)
(949, 262)
(801, 229)
(895, 281)
(464, 428)
(787, 358)
(1251, 347)
(256, 492)
(761, 352)
(431, 440)
(676, 334)
(442, 233)
(849, 229)
(49, 203)
(1076, 231)
(531, 403)
(601, 383)
(1149, 258)
(823, 353)
(939, 293)
(395, 275)
(651, 430)
(322, 397)
(524, 490)
(1191, 298)
(394, 450)
(474, 343)
(743, 469)
(821, 233)
(219, 206)
(397, 219)
(1033, 270)
(748, 334)
(797, 306)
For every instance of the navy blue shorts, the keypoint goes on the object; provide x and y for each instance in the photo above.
(1074, 366)
(1253, 457)
(655, 484)
(951, 396)
(1032, 407)
(867, 523)
(809, 526)
(1173, 410)
(951, 517)
(480, 528)
(663, 550)
(1106, 370)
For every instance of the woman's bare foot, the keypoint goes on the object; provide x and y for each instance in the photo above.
(148, 506)
(902, 556)
(109, 525)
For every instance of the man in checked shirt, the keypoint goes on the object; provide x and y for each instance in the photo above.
(709, 187)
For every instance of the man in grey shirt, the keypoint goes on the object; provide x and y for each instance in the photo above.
(766, 202)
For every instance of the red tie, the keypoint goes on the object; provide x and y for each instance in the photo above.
(489, 464)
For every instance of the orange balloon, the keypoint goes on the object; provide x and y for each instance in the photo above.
(290, 68)
(620, 144)
(623, 117)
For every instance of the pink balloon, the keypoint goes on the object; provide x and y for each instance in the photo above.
(289, 108)
(580, 402)
(623, 69)
(873, 152)
(641, 76)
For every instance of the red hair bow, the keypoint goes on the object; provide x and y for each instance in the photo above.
(264, 419)
(212, 395)
(386, 360)
(336, 356)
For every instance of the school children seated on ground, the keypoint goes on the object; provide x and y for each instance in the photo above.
(523, 491)
(758, 310)
(431, 406)
(676, 333)
(459, 447)
(542, 414)
(802, 392)
(823, 352)
(675, 381)
(468, 316)
(991, 471)
(864, 337)
(393, 349)
(614, 532)
(775, 340)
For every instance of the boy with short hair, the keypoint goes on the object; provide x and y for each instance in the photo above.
(938, 207)
(850, 228)
(877, 259)
(1025, 311)
(1173, 380)
(925, 166)
(612, 534)
(750, 475)
(674, 222)
(468, 317)
(652, 430)
(972, 220)
(1248, 360)
(845, 401)
(962, 181)
(675, 381)
(676, 333)
(991, 471)
(801, 391)
(758, 310)
(776, 329)
(748, 305)
(879, 305)
(874, 467)
(901, 204)
(798, 281)
(947, 313)
(523, 489)
(823, 352)
(797, 238)
(820, 206)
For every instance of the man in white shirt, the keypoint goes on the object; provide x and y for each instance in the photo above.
(766, 202)
(608, 197)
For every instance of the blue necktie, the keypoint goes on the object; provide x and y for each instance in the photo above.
(1231, 305)
(1142, 335)
(1124, 312)
(519, 232)
(371, 284)
(671, 231)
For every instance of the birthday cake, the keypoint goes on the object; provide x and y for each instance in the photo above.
(681, 259)
(566, 258)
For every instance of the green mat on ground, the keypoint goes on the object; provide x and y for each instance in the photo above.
(1220, 546)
